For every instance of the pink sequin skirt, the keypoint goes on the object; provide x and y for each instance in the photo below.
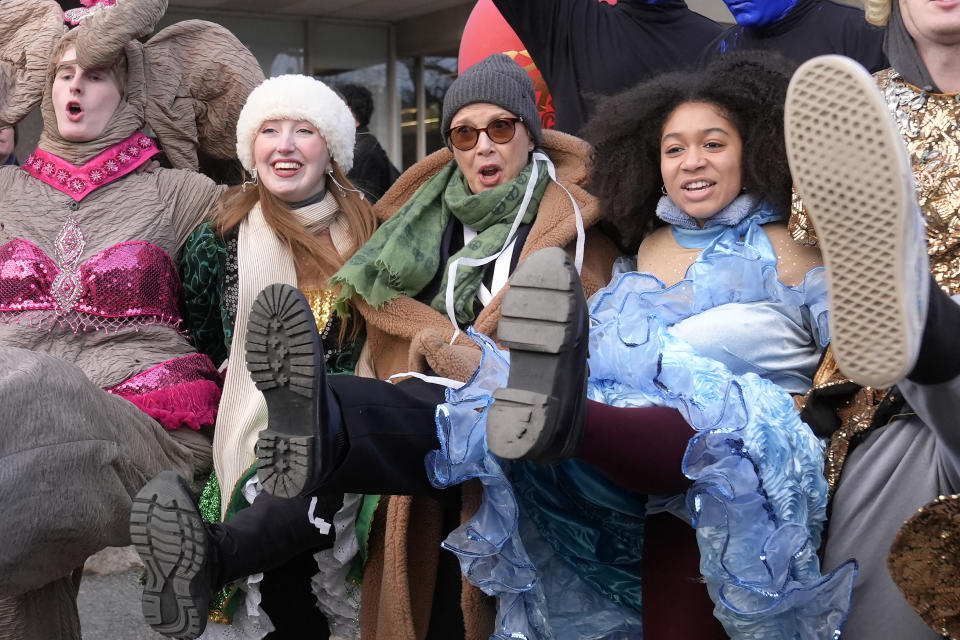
(183, 392)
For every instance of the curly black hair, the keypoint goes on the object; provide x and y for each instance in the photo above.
(749, 88)
(360, 101)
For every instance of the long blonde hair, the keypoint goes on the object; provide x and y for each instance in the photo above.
(361, 223)
(877, 11)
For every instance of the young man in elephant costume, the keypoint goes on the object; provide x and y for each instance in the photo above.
(99, 388)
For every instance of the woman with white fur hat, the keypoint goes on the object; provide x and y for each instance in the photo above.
(296, 221)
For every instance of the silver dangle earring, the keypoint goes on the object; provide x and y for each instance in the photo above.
(342, 189)
(254, 181)
(663, 189)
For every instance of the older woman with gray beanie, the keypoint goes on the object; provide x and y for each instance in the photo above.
(454, 227)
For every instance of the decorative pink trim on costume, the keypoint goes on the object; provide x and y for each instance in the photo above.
(77, 182)
(89, 8)
(183, 392)
(82, 322)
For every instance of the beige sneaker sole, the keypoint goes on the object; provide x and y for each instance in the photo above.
(851, 168)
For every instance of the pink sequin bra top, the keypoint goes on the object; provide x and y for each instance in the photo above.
(131, 284)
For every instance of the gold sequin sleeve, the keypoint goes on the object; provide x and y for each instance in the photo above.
(321, 304)
(925, 563)
(930, 125)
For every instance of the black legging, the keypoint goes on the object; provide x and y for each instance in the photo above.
(389, 429)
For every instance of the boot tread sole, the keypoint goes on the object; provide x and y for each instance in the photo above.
(539, 325)
(168, 534)
(282, 344)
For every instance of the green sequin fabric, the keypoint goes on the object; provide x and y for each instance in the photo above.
(203, 271)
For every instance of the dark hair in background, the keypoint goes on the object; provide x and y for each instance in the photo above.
(749, 88)
(226, 171)
(360, 101)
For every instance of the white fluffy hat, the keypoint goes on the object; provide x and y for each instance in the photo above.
(295, 97)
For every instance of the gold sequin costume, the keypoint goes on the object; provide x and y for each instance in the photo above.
(925, 562)
(321, 304)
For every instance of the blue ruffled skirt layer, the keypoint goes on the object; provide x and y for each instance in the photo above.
(548, 539)
(500, 549)
(758, 498)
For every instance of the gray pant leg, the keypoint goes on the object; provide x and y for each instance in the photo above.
(938, 407)
(48, 613)
(71, 458)
(896, 470)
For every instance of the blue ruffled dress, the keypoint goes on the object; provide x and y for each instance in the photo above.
(560, 546)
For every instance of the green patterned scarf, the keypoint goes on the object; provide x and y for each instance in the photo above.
(403, 256)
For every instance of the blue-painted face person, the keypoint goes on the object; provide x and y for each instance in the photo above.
(759, 13)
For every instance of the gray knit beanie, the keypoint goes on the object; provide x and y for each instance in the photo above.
(499, 80)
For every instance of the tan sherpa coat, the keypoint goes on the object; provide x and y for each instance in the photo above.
(406, 335)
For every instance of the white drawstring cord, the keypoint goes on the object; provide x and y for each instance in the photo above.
(528, 194)
(322, 525)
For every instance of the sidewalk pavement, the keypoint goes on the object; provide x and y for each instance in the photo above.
(109, 599)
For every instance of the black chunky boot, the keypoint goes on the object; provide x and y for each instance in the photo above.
(304, 439)
(187, 560)
(181, 563)
(539, 416)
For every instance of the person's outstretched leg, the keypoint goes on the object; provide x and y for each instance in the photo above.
(639, 448)
(73, 458)
(343, 434)
(938, 357)
(852, 170)
(187, 560)
(890, 324)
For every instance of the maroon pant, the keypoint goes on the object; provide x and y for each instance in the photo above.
(641, 449)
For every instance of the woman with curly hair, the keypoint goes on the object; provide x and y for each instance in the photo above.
(628, 128)
(693, 357)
